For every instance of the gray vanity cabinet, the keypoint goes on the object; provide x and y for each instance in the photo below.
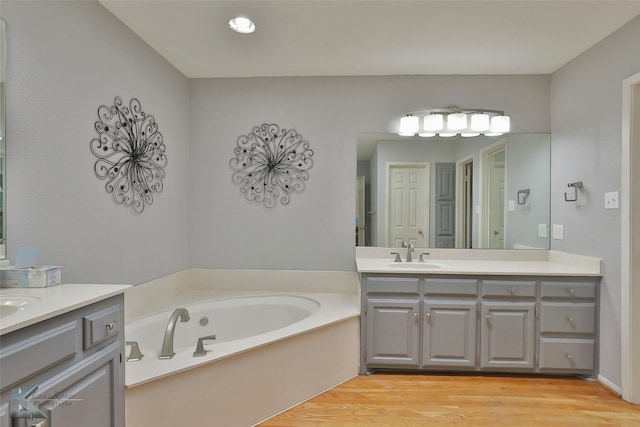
(75, 359)
(568, 326)
(507, 331)
(450, 313)
(507, 335)
(484, 323)
(392, 323)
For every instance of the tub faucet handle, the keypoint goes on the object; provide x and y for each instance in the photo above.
(422, 257)
(135, 353)
(200, 351)
(397, 259)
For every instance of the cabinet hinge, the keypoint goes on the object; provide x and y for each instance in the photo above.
(120, 357)
(478, 311)
(536, 311)
(365, 309)
(364, 355)
(535, 359)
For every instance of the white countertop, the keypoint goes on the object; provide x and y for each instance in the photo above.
(45, 303)
(441, 262)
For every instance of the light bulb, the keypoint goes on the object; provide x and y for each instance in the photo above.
(456, 121)
(409, 125)
(480, 122)
(433, 122)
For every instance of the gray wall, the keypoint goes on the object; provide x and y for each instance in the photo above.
(64, 59)
(315, 231)
(528, 166)
(586, 111)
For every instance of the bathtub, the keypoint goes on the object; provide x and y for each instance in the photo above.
(229, 319)
(281, 338)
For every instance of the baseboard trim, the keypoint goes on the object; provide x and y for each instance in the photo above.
(609, 385)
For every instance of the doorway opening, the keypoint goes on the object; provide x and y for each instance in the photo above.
(493, 175)
(464, 199)
(630, 240)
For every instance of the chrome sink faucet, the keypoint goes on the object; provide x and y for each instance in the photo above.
(409, 250)
(167, 344)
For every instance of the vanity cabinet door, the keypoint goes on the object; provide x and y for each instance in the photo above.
(507, 334)
(393, 333)
(449, 337)
(84, 394)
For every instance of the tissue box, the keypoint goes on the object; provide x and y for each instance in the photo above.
(38, 276)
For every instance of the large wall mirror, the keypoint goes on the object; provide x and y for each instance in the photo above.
(3, 221)
(482, 192)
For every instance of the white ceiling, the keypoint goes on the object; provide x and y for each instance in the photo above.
(330, 37)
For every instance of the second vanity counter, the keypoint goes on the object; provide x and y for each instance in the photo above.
(484, 262)
(33, 305)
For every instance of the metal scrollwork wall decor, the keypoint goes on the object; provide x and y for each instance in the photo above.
(131, 154)
(271, 163)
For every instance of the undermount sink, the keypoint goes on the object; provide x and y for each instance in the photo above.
(417, 265)
(12, 303)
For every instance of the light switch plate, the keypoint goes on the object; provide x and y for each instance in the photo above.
(558, 232)
(542, 230)
(611, 200)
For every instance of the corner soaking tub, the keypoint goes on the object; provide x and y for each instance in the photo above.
(239, 324)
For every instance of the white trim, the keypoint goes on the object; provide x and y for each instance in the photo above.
(610, 385)
(630, 292)
(471, 158)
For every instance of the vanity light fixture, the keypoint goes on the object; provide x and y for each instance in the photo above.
(452, 121)
(242, 24)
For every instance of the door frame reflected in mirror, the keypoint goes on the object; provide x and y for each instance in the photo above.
(532, 151)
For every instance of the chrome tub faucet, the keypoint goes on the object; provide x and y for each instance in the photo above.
(167, 344)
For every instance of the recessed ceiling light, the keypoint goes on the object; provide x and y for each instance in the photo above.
(241, 24)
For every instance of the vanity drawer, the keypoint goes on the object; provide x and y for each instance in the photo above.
(451, 287)
(101, 325)
(586, 290)
(508, 288)
(579, 318)
(393, 285)
(576, 354)
(37, 353)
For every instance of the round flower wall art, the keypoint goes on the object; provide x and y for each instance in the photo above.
(131, 154)
(271, 163)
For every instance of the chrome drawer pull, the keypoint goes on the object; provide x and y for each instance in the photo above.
(570, 320)
(571, 291)
(511, 291)
(111, 326)
(569, 356)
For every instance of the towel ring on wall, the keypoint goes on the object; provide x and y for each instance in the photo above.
(575, 186)
(525, 194)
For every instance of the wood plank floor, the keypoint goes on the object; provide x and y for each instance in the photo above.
(438, 400)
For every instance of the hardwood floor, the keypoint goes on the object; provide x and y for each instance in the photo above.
(437, 400)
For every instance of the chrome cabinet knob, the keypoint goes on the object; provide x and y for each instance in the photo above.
(570, 356)
(111, 326)
(487, 317)
(428, 315)
(570, 320)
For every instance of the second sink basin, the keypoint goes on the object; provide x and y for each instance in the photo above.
(12, 303)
